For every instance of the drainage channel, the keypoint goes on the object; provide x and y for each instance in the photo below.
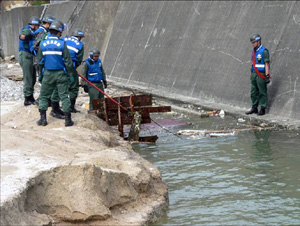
(246, 178)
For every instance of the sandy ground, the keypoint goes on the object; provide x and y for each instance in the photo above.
(83, 174)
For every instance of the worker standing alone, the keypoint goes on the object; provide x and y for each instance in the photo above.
(93, 71)
(260, 76)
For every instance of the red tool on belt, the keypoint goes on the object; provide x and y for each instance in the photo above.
(256, 70)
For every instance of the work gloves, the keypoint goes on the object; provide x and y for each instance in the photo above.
(105, 84)
(267, 80)
(86, 88)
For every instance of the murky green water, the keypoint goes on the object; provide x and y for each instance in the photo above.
(252, 178)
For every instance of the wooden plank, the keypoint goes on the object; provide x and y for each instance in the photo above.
(131, 104)
(108, 110)
(146, 140)
(105, 112)
(126, 118)
(140, 100)
(120, 121)
(98, 104)
(150, 109)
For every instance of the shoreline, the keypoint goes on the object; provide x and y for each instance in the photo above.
(85, 173)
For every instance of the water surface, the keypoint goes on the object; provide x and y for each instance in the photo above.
(251, 178)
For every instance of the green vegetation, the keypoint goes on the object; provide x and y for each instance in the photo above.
(38, 2)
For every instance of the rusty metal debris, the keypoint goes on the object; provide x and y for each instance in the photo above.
(138, 109)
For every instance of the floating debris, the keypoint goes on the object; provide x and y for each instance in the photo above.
(227, 134)
(241, 120)
(222, 114)
(218, 133)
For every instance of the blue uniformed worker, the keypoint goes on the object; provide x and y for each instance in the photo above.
(26, 40)
(41, 32)
(57, 66)
(76, 49)
(92, 70)
(260, 76)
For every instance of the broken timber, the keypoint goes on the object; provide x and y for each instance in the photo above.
(138, 112)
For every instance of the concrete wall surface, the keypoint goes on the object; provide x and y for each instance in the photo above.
(11, 24)
(198, 50)
(201, 49)
(95, 18)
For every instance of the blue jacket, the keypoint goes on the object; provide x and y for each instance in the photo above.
(94, 73)
(52, 49)
(41, 29)
(259, 59)
(26, 45)
(74, 46)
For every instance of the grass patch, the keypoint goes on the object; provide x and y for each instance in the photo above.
(38, 2)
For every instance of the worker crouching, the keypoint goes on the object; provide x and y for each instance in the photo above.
(93, 71)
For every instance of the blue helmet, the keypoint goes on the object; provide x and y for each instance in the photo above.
(78, 33)
(57, 25)
(34, 21)
(255, 38)
(95, 52)
(48, 19)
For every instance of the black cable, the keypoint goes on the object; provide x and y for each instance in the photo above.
(165, 129)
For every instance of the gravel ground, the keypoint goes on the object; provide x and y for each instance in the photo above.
(10, 90)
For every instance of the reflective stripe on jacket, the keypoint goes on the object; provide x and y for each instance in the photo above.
(94, 73)
(52, 49)
(74, 46)
(259, 59)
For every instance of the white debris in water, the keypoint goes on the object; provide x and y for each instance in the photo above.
(221, 134)
(241, 120)
(222, 114)
(10, 90)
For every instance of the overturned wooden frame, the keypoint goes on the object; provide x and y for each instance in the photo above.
(114, 115)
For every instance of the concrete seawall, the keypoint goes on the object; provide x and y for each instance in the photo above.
(191, 50)
(202, 49)
(94, 17)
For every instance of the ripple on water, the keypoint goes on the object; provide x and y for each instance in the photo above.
(249, 179)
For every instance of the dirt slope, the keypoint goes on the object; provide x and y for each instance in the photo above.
(82, 174)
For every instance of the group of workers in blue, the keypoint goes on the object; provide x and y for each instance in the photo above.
(55, 59)
(42, 48)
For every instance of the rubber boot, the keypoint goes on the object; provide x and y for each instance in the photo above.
(43, 120)
(252, 110)
(262, 111)
(73, 110)
(49, 102)
(28, 101)
(68, 120)
(34, 102)
(56, 112)
(37, 101)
